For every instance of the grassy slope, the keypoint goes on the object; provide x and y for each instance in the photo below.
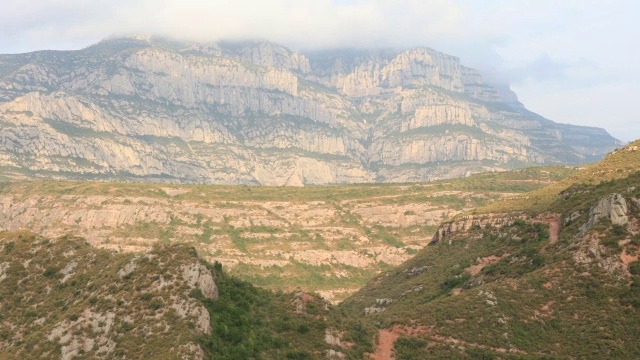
(512, 181)
(616, 165)
(36, 299)
(536, 302)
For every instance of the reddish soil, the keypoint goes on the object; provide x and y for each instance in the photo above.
(307, 298)
(545, 311)
(554, 227)
(384, 347)
(387, 338)
(485, 261)
(626, 258)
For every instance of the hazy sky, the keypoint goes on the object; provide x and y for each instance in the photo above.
(573, 61)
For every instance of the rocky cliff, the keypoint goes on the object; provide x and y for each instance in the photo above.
(258, 113)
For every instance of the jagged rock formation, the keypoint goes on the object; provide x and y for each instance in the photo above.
(258, 113)
(613, 207)
(480, 222)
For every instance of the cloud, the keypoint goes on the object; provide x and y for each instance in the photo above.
(566, 45)
(545, 69)
(298, 23)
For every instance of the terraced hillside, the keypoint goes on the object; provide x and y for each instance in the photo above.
(559, 278)
(331, 240)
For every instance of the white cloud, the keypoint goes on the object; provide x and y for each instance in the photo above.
(571, 46)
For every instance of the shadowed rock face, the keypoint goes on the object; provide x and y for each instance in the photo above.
(258, 113)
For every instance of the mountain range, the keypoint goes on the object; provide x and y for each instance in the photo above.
(153, 109)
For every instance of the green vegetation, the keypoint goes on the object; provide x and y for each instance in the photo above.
(233, 223)
(617, 165)
(255, 323)
(511, 181)
(74, 130)
(508, 292)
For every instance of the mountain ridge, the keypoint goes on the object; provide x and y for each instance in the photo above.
(259, 113)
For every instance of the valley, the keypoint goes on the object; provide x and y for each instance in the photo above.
(328, 240)
(546, 267)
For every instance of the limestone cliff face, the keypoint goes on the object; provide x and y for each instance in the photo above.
(449, 147)
(258, 113)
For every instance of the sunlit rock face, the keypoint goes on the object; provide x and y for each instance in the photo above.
(258, 113)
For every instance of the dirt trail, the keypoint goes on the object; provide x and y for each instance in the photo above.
(485, 261)
(554, 227)
(384, 347)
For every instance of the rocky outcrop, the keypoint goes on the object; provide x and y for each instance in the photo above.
(82, 305)
(3, 270)
(199, 277)
(613, 207)
(591, 251)
(440, 114)
(480, 222)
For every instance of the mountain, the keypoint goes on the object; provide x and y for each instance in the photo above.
(557, 278)
(143, 108)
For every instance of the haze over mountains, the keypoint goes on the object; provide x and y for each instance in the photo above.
(258, 113)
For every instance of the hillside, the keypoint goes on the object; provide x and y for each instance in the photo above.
(63, 299)
(327, 239)
(557, 279)
(151, 109)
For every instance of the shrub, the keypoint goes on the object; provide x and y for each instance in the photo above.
(303, 329)
(619, 230)
(156, 304)
(455, 281)
(217, 266)
(298, 355)
(50, 272)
